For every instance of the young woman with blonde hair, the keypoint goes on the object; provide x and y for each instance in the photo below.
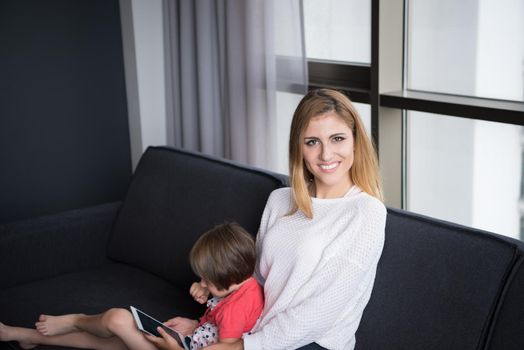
(319, 241)
(364, 172)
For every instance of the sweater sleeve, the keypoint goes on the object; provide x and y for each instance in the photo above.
(334, 289)
(258, 243)
(267, 215)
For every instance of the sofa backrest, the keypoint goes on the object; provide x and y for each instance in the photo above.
(177, 195)
(444, 286)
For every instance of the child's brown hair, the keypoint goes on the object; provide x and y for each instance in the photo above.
(224, 255)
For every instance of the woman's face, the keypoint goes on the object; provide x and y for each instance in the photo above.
(328, 154)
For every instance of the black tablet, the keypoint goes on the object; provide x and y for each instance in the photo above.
(149, 325)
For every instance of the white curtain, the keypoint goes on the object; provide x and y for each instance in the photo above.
(225, 63)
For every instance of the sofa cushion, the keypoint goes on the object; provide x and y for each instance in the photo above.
(54, 244)
(174, 197)
(93, 291)
(437, 285)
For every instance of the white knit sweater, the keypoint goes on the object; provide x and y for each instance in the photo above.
(317, 273)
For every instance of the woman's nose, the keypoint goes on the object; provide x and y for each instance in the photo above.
(326, 153)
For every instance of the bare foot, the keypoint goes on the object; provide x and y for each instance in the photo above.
(56, 325)
(26, 345)
(8, 333)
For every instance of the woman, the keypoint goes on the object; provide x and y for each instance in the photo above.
(320, 240)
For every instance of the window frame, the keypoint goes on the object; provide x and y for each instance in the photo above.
(382, 84)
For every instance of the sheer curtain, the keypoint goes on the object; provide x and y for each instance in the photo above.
(225, 63)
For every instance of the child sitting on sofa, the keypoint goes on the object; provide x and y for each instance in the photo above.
(224, 259)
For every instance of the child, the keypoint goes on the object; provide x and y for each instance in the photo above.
(223, 257)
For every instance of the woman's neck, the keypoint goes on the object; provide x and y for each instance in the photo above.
(328, 192)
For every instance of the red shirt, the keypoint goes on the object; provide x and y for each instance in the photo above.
(237, 313)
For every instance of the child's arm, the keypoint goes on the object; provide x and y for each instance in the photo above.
(199, 293)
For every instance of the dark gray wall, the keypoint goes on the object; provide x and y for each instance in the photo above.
(64, 135)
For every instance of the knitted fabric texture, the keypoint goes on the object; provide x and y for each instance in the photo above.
(317, 273)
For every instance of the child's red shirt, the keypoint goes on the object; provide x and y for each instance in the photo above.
(237, 313)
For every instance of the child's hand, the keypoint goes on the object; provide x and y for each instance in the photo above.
(182, 325)
(199, 293)
(166, 342)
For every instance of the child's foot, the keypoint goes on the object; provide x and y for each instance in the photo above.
(56, 325)
(8, 333)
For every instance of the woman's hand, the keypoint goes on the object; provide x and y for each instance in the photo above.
(182, 325)
(166, 342)
(199, 293)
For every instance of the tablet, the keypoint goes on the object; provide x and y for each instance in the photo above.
(149, 325)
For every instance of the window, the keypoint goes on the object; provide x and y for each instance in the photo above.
(443, 86)
(286, 104)
(471, 48)
(338, 46)
(465, 171)
(338, 30)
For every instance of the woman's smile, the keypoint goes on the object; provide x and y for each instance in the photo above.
(329, 168)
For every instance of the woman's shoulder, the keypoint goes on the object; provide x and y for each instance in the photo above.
(370, 205)
(280, 196)
(281, 191)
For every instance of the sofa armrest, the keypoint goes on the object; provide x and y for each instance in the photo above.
(50, 245)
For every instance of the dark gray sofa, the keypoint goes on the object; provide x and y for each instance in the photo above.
(438, 286)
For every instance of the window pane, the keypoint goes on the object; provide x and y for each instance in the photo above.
(286, 104)
(471, 47)
(365, 114)
(338, 30)
(465, 171)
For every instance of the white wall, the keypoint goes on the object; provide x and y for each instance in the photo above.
(143, 37)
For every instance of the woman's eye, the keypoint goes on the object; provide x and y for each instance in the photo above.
(311, 142)
(338, 138)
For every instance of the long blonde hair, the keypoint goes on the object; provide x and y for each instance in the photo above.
(364, 172)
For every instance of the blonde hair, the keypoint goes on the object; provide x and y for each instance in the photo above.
(364, 172)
